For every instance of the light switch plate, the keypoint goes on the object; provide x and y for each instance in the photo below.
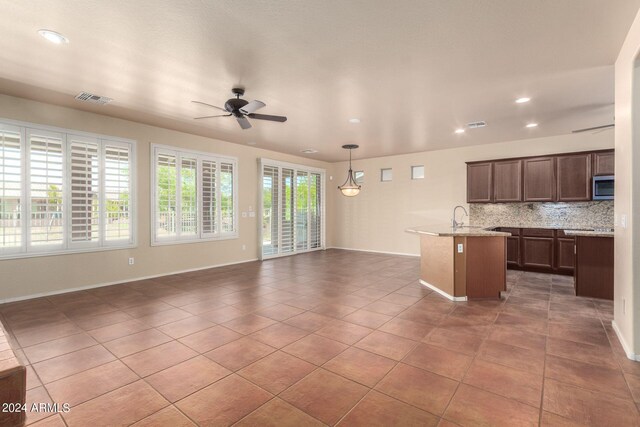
(252, 214)
(460, 248)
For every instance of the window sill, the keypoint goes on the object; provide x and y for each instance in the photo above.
(43, 253)
(187, 241)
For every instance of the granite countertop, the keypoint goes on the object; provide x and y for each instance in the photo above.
(589, 233)
(465, 231)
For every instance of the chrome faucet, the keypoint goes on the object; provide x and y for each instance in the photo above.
(455, 223)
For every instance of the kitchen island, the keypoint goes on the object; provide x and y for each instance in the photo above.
(463, 263)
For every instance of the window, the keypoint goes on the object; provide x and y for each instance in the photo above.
(359, 177)
(63, 191)
(417, 172)
(194, 197)
(386, 175)
(292, 208)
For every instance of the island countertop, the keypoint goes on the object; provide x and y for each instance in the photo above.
(464, 231)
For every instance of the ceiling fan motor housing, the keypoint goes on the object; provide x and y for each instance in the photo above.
(234, 105)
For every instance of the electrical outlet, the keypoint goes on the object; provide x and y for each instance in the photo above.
(460, 248)
(131, 261)
(244, 214)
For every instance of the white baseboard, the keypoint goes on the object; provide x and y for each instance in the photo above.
(100, 285)
(626, 347)
(441, 292)
(374, 252)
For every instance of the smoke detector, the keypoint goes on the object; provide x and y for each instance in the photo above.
(93, 99)
(476, 125)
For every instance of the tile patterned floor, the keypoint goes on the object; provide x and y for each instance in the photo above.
(325, 338)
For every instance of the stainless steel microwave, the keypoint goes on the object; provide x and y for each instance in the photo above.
(603, 187)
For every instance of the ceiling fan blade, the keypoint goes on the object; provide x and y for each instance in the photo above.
(208, 117)
(593, 128)
(243, 122)
(208, 105)
(268, 117)
(252, 106)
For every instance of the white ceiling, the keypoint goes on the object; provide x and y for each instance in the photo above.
(412, 71)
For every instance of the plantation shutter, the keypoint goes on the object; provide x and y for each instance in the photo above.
(287, 215)
(315, 208)
(84, 187)
(166, 195)
(208, 197)
(46, 189)
(188, 197)
(11, 200)
(270, 205)
(117, 192)
(226, 198)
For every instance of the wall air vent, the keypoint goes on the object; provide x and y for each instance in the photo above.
(94, 99)
(476, 125)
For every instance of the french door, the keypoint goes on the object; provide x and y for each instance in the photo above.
(292, 208)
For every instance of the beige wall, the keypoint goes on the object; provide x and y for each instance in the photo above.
(29, 276)
(376, 219)
(627, 240)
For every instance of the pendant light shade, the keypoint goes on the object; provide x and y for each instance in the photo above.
(350, 187)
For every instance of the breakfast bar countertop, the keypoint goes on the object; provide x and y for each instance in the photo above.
(443, 230)
(589, 233)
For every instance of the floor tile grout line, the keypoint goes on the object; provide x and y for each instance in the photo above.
(392, 317)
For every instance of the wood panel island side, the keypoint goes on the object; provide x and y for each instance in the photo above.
(464, 262)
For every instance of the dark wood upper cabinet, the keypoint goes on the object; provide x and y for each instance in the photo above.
(507, 181)
(604, 163)
(574, 177)
(479, 180)
(539, 179)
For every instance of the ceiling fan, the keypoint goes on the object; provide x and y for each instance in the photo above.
(241, 109)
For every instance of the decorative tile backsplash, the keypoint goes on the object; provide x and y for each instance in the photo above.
(574, 215)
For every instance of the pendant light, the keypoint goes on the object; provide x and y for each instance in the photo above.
(350, 187)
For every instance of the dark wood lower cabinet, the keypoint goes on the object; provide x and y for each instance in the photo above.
(513, 251)
(537, 252)
(541, 250)
(565, 254)
(594, 267)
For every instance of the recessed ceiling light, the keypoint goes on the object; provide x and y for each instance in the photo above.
(460, 130)
(532, 125)
(53, 37)
(354, 120)
(522, 100)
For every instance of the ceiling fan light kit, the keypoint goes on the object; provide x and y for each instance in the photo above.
(350, 187)
(241, 109)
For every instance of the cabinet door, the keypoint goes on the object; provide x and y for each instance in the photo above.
(507, 181)
(574, 177)
(479, 179)
(539, 179)
(565, 254)
(537, 252)
(594, 267)
(604, 163)
(513, 251)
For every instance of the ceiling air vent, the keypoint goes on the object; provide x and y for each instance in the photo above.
(94, 99)
(476, 125)
(309, 151)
